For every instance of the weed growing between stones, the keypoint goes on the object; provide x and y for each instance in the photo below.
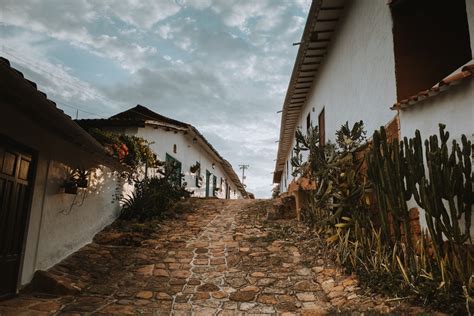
(367, 224)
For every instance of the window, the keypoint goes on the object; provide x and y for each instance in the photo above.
(308, 121)
(322, 128)
(431, 40)
(175, 148)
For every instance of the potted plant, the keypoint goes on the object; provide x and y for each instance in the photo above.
(195, 168)
(82, 176)
(200, 181)
(70, 184)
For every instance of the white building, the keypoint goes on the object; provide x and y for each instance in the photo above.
(174, 140)
(39, 223)
(358, 58)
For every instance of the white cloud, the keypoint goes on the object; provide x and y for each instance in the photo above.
(53, 78)
(185, 43)
(69, 22)
(232, 62)
(141, 13)
(165, 31)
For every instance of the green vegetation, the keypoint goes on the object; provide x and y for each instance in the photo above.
(377, 239)
(131, 150)
(155, 197)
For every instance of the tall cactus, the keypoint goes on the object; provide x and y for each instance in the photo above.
(444, 189)
(446, 195)
(387, 170)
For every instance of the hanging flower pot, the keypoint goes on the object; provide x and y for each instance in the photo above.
(82, 178)
(70, 187)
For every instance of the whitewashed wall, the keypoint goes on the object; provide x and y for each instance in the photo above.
(188, 153)
(357, 78)
(470, 20)
(62, 223)
(55, 230)
(454, 108)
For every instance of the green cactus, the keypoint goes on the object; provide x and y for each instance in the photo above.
(388, 168)
(444, 189)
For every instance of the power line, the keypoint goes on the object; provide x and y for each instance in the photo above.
(79, 109)
(31, 64)
(34, 66)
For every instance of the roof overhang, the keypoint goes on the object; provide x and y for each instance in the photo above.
(27, 99)
(224, 163)
(323, 18)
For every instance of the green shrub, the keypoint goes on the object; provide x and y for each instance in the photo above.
(154, 197)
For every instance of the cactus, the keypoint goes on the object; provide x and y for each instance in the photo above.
(388, 169)
(450, 179)
(443, 189)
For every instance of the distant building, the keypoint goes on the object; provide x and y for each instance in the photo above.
(173, 140)
(39, 223)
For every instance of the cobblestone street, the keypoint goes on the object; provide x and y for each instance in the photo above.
(223, 258)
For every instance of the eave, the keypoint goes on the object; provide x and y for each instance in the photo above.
(320, 28)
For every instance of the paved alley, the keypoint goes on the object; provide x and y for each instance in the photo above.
(223, 258)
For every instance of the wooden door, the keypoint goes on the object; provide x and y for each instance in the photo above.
(227, 190)
(322, 128)
(208, 178)
(214, 185)
(15, 185)
(175, 164)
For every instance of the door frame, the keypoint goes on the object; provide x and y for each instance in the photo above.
(8, 141)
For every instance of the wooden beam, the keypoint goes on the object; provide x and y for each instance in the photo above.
(325, 31)
(316, 48)
(314, 56)
(303, 84)
(331, 8)
(328, 20)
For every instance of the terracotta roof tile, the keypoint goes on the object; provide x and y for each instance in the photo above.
(467, 72)
(47, 114)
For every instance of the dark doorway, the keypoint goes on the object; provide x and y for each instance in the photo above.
(208, 178)
(175, 166)
(16, 171)
(322, 128)
(227, 190)
(214, 185)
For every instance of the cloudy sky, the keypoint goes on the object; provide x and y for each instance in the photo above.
(221, 65)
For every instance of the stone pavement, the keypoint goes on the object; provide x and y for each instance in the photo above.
(222, 258)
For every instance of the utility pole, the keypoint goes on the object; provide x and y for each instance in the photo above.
(243, 167)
